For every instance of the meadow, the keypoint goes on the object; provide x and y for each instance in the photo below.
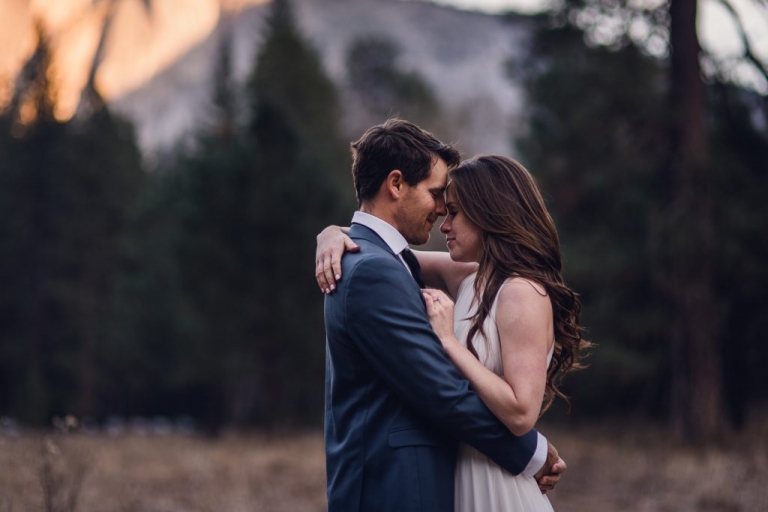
(611, 467)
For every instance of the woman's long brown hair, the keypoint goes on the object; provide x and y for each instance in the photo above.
(519, 238)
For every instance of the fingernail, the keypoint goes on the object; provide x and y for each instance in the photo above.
(333, 287)
(327, 290)
(338, 276)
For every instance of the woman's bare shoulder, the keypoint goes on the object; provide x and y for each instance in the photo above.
(521, 296)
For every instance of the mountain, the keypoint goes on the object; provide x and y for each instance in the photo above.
(159, 65)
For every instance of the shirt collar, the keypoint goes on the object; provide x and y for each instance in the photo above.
(385, 230)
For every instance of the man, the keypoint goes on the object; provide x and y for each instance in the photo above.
(395, 405)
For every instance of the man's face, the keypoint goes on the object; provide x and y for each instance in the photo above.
(422, 204)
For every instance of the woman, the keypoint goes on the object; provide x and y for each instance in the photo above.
(513, 331)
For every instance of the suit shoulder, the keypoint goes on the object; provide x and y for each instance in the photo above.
(372, 266)
(369, 256)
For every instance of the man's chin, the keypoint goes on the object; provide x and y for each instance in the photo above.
(418, 239)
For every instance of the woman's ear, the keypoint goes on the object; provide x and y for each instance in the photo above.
(395, 183)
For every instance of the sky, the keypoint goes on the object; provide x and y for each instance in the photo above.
(717, 30)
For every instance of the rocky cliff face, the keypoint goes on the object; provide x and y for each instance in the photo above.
(159, 65)
(461, 54)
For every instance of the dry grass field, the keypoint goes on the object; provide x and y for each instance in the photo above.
(610, 469)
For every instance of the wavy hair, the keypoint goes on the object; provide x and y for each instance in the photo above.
(519, 239)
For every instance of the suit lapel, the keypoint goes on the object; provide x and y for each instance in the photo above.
(360, 232)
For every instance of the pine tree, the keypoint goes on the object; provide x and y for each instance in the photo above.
(289, 80)
(383, 89)
(31, 137)
(294, 131)
(98, 194)
(66, 193)
(233, 228)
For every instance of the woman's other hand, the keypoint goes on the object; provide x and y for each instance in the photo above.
(440, 312)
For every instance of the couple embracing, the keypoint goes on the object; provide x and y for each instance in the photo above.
(438, 364)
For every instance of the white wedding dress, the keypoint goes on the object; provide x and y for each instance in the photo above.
(480, 484)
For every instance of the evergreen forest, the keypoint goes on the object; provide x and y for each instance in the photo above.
(187, 290)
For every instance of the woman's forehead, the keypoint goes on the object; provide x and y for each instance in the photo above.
(449, 193)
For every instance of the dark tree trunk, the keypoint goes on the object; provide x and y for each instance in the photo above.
(697, 408)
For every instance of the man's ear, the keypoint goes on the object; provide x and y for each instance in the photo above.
(394, 184)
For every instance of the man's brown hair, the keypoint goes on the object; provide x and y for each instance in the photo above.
(396, 144)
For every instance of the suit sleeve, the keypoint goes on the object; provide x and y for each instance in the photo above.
(387, 320)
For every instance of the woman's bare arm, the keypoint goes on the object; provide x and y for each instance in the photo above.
(438, 269)
(524, 320)
(441, 272)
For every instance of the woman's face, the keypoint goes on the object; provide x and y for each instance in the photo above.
(462, 237)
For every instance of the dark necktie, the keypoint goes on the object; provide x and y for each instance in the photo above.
(413, 264)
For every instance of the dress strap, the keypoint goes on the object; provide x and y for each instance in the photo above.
(494, 306)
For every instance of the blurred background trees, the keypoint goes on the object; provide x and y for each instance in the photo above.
(183, 291)
(64, 243)
(188, 290)
(381, 88)
(642, 180)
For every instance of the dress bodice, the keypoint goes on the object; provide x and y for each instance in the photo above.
(480, 484)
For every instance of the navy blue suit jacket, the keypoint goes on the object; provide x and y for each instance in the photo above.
(395, 404)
